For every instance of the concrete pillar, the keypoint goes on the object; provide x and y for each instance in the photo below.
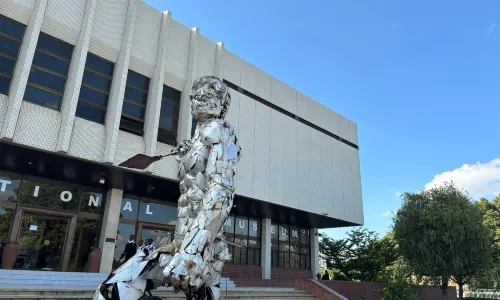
(155, 92)
(314, 251)
(75, 75)
(22, 70)
(109, 229)
(115, 102)
(265, 249)
(185, 118)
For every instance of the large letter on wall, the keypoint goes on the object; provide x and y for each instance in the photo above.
(117, 92)
(75, 74)
(22, 70)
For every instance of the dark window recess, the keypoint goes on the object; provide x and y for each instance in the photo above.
(134, 103)
(169, 116)
(49, 72)
(11, 35)
(290, 247)
(193, 126)
(287, 113)
(95, 89)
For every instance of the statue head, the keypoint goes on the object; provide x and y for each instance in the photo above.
(209, 98)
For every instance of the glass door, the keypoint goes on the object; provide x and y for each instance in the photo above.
(154, 234)
(41, 242)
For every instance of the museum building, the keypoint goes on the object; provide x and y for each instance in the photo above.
(87, 84)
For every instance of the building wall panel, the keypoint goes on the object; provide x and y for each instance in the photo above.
(17, 10)
(315, 171)
(356, 187)
(108, 29)
(247, 141)
(4, 102)
(262, 123)
(231, 67)
(277, 159)
(338, 204)
(146, 38)
(63, 19)
(353, 132)
(303, 164)
(313, 112)
(263, 85)
(248, 74)
(283, 96)
(290, 167)
(166, 167)
(344, 128)
(233, 117)
(127, 146)
(335, 122)
(326, 175)
(37, 127)
(347, 182)
(205, 58)
(177, 55)
(87, 140)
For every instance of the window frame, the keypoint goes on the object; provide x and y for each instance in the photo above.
(13, 59)
(40, 68)
(175, 116)
(107, 93)
(130, 118)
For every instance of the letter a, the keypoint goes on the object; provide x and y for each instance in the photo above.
(127, 206)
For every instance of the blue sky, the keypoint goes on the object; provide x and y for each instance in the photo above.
(420, 78)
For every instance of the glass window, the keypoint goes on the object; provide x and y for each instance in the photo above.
(241, 227)
(49, 194)
(130, 208)
(157, 213)
(87, 234)
(254, 228)
(229, 225)
(92, 201)
(95, 89)
(11, 35)
(284, 232)
(290, 247)
(90, 112)
(9, 187)
(6, 218)
(134, 104)
(169, 116)
(48, 72)
(122, 237)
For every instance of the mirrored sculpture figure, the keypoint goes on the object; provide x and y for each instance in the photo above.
(193, 262)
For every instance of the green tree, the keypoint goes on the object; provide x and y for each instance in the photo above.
(440, 233)
(490, 211)
(362, 256)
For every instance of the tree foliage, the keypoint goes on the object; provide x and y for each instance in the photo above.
(362, 256)
(490, 211)
(440, 233)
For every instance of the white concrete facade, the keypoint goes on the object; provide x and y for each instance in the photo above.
(285, 162)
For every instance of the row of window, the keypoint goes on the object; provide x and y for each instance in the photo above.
(48, 75)
(290, 247)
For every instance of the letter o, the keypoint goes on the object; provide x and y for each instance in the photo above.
(66, 196)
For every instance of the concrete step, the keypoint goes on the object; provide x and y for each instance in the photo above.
(59, 279)
(165, 293)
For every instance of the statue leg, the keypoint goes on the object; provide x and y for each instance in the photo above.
(189, 266)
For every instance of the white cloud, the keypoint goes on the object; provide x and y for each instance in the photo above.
(388, 213)
(490, 29)
(479, 180)
(397, 194)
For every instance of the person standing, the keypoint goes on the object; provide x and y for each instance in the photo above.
(130, 249)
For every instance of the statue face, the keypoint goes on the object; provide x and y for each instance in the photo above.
(207, 98)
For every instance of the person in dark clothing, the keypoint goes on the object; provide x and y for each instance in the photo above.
(130, 249)
(318, 276)
(326, 276)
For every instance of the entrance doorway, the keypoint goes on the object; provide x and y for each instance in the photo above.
(44, 238)
(41, 242)
(160, 235)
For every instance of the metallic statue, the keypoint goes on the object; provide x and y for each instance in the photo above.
(193, 262)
